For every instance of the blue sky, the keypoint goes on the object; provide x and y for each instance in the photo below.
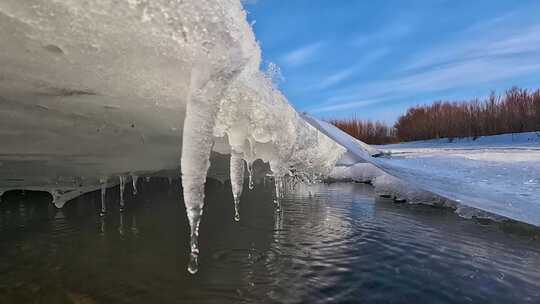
(374, 59)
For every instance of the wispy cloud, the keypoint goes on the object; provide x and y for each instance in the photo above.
(347, 73)
(346, 105)
(386, 34)
(449, 77)
(334, 79)
(481, 57)
(301, 55)
(481, 41)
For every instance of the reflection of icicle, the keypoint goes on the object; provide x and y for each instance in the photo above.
(121, 226)
(134, 179)
(122, 185)
(278, 222)
(134, 228)
(195, 161)
(193, 265)
(170, 180)
(103, 182)
(147, 179)
(237, 180)
(102, 226)
(278, 182)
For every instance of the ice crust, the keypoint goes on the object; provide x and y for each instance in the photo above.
(94, 91)
(493, 177)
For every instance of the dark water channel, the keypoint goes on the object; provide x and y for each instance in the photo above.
(332, 243)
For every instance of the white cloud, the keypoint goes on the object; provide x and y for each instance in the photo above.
(301, 55)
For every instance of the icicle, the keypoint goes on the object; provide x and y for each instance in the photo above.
(134, 179)
(250, 175)
(237, 180)
(122, 185)
(196, 148)
(249, 162)
(103, 182)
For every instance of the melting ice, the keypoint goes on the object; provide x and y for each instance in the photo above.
(109, 89)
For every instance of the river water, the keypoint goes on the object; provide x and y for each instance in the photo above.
(332, 243)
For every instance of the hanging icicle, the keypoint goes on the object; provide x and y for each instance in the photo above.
(134, 179)
(237, 180)
(250, 175)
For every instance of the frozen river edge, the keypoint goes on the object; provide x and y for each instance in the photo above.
(493, 177)
(97, 94)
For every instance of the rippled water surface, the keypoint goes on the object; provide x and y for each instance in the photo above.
(331, 244)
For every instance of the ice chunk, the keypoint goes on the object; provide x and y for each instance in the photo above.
(360, 172)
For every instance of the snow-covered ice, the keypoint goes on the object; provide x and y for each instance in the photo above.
(495, 176)
(495, 173)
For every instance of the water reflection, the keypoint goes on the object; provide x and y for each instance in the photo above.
(330, 243)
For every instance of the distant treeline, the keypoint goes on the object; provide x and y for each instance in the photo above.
(375, 133)
(517, 110)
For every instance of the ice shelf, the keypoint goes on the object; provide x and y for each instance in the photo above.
(92, 92)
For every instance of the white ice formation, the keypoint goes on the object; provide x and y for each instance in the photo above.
(93, 90)
(237, 181)
(493, 177)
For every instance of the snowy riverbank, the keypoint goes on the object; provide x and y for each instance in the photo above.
(498, 174)
(492, 176)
